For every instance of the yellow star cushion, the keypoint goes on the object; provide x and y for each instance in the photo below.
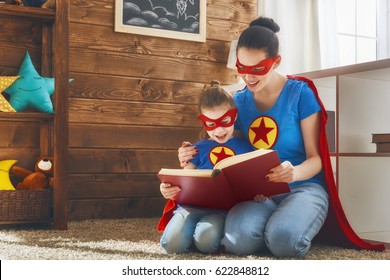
(5, 82)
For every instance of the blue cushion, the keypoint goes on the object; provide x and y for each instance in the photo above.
(31, 90)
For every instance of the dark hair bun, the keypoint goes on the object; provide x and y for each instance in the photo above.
(266, 22)
(215, 83)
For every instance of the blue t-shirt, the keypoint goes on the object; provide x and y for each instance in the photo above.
(279, 128)
(211, 152)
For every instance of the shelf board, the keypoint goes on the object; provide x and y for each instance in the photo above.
(364, 154)
(348, 69)
(45, 15)
(26, 116)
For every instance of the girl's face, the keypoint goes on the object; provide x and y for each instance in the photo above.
(221, 133)
(246, 58)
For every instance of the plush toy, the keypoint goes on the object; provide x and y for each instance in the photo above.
(31, 90)
(48, 4)
(42, 178)
(29, 3)
(5, 82)
(14, 2)
(5, 182)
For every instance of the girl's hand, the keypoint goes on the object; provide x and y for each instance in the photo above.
(260, 198)
(186, 152)
(284, 172)
(168, 191)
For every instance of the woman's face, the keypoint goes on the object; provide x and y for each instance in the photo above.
(252, 57)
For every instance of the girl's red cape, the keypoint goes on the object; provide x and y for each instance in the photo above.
(336, 229)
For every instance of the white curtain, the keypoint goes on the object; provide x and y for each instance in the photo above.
(307, 37)
(383, 31)
(327, 22)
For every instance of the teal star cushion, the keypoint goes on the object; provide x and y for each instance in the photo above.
(31, 90)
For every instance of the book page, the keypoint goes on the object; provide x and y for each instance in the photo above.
(186, 172)
(240, 158)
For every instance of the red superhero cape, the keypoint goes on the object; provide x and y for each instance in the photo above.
(336, 229)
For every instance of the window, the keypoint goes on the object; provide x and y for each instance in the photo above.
(357, 29)
(363, 30)
(329, 33)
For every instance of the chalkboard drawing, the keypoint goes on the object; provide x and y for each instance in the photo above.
(177, 19)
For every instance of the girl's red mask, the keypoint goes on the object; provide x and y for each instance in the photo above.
(211, 124)
(262, 68)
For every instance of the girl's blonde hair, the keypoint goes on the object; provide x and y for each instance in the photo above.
(214, 95)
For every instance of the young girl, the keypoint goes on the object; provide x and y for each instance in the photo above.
(194, 226)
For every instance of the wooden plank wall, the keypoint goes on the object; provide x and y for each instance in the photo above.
(132, 102)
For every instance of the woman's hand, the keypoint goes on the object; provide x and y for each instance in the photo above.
(284, 172)
(186, 152)
(168, 191)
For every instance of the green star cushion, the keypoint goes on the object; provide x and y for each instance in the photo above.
(31, 90)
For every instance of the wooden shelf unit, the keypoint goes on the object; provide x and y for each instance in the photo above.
(27, 12)
(360, 95)
(53, 129)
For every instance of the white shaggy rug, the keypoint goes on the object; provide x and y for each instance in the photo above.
(126, 239)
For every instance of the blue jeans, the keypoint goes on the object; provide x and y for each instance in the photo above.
(193, 226)
(285, 224)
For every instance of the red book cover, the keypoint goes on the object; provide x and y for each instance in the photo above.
(234, 179)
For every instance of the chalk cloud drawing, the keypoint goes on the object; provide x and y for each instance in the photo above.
(175, 15)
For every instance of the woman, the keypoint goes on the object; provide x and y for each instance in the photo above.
(285, 114)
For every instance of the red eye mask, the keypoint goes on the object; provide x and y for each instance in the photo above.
(262, 68)
(225, 121)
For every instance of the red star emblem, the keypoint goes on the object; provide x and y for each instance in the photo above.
(221, 155)
(261, 132)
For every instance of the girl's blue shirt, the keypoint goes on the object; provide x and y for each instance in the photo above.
(210, 151)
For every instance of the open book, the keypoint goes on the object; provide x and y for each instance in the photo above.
(233, 179)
